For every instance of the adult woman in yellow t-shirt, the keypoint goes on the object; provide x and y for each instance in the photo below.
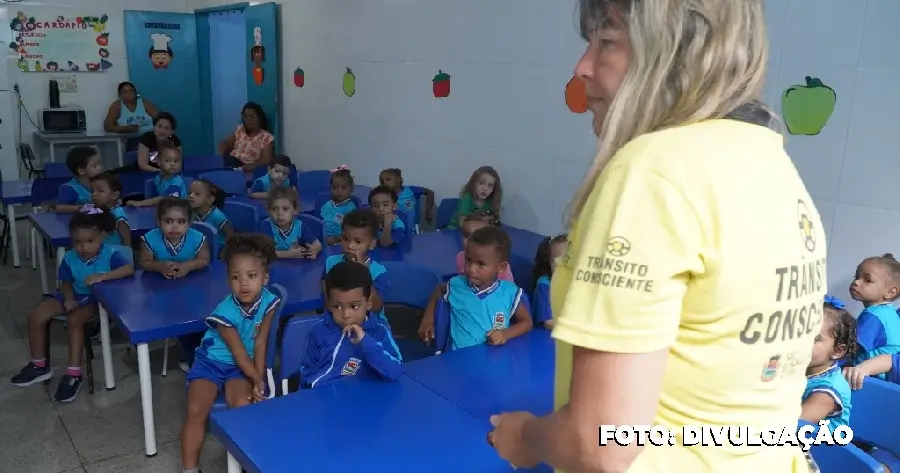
(692, 290)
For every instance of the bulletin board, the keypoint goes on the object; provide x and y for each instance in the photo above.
(51, 43)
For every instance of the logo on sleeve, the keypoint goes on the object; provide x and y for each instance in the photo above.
(618, 246)
(408, 205)
(350, 367)
(338, 218)
(807, 229)
(499, 321)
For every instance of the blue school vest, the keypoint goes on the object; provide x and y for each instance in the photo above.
(397, 224)
(75, 270)
(171, 187)
(333, 215)
(284, 240)
(216, 219)
(474, 313)
(878, 332)
(118, 212)
(82, 194)
(264, 184)
(230, 313)
(185, 250)
(833, 383)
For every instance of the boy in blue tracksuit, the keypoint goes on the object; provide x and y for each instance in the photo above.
(350, 340)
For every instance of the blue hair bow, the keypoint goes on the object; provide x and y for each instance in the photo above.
(91, 209)
(834, 301)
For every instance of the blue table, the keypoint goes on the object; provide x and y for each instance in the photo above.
(54, 228)
(149, 307)
(13, 193)
(357, 426)
(485, 380)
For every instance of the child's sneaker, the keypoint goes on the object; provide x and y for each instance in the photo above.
(68, 388)
(31, 374)
(184, 366)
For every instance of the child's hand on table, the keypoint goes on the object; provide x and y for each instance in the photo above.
(496, 337)
(297, 251)
(311, 253)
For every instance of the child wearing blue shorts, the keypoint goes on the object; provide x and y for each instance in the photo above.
(89, 262)
(232, 355)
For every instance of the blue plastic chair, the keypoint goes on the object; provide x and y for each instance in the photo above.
(411, 285)
(844, 459)
(324, 197)
(445, 212)
(875, 414)
(150, 187)
(133, 183)
(293, 346)
(408, 229)
(315, 224)
(46, 189)
(230, 181)
(314, 182)
(271, 387)
(523, 271)
(244, 217)
(210, 233)
(201, 163)
(129, 158)
(57, 170)
(442, 341)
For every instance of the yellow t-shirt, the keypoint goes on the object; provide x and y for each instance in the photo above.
(701, 239)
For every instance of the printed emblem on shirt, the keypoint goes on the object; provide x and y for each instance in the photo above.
(256, 329)
(771, 369)
(612, 269)
(618, 246)
(338, 218)
(408, 205)
(350, 367)
(805, 223)
(499, 320)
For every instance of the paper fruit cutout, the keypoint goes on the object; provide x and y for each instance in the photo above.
(576, 95)
(349, 83)
(299, 79)
(257, 56)
(440, 85)
(807, 108)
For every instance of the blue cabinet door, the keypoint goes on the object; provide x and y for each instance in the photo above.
(264, 63)
(164, 67)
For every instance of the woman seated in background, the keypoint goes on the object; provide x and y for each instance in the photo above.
(251, 144)
(148, 144)
(131, 115)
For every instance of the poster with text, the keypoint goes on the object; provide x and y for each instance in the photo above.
(48, 43)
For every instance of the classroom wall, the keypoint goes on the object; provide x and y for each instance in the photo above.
(95, 90)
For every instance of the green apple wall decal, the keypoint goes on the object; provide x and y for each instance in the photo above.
(807, 108)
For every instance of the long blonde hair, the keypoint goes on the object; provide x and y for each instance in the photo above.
(692, 60)
(496, 197)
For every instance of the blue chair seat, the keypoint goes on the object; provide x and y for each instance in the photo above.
(293, 346)
(445, 212)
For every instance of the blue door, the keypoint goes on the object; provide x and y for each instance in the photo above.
(163, 64)
(264, 63)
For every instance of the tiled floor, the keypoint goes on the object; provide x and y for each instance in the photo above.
(99, 433)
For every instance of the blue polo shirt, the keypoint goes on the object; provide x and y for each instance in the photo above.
(474, 312)
(297, 234)
(264, 184)
(185, 250)
(877, 332)
(216, 219)
(172, 186)
(74, 193)
(832, 383)
(541, 305)
(118, 212)
(247, 322)
(333, 215)
(75, 270)
(398, 230)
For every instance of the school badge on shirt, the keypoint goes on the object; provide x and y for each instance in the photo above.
(350, 367)
(499, 321)
(771, 369)
(256, 329)
(338, 218)
(408, 205)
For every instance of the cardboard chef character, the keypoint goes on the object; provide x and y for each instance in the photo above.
(160, 52)
(257, 56)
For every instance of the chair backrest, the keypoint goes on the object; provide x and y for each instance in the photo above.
(129, 158)
(210, 233)
(127, 252)
(57, 170)
(134, 183)
(150, 186)
(523, 272)
(411, 285)
(244, 217)
(324, 197)
(416, 214)
(442, 340)
(230, 181)
(293, 346)
(408, 225)
(281, 292)
(26, 153)
(314, 182)
(875, 414)
(315, 225)
(202, 163)
(46, 189)
(445, 212)
(844, 459)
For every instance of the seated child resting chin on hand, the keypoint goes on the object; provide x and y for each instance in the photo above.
(391, 229)
(482, 308)
(292, 238)
(89, 262)
(232, 356)
(350, 340)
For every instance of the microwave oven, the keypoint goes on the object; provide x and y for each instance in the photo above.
(63, 120)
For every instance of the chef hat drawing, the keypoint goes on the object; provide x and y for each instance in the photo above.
(160, 41)
(257, 36)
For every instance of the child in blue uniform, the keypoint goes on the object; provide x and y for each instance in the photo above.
(483, 308)
(827, 394)
(106, 190)
(168, 183)
(350, 340)
(89, 262)
(548, 253)
(292, 238)
(207, 201)
(232, 355)
(278, 176)
(333, 211)
(887, 365)
(84, 162)
(174, 249)
(877, 286)
(483, 192)
(406, 196)
(391, 229)
(358, 232)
